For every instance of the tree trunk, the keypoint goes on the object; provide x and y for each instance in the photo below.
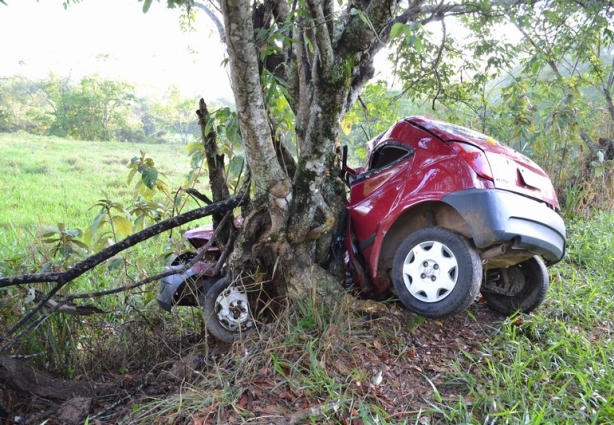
(293, 216)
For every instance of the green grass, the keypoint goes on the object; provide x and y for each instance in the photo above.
(556, 365)
(47, 180)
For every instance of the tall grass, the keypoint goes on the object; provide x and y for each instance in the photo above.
(49, 180)
(556, 365)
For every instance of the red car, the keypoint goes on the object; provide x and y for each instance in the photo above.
(441, 213)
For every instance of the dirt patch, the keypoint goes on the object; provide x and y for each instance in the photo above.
(397, 363)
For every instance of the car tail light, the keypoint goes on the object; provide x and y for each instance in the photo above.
(475, 157)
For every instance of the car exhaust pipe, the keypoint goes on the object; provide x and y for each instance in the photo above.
(494, 252)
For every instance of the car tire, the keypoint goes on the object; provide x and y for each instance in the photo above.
(533, 293)
(436, 273)
(226, 310)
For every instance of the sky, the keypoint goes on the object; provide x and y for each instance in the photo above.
(115, 39)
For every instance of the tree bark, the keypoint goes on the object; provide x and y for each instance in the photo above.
(293, 215)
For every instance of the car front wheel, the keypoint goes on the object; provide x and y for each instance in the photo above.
(436, 272)
(227, 313)
(522, 287)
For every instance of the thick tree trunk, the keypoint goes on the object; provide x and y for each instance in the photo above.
(293, 216)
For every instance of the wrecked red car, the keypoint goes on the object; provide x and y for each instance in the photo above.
(441, 213)
(438, 214)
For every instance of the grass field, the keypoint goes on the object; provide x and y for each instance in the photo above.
(49, 180)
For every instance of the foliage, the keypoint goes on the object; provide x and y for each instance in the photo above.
(94, 109)
(23, 106)
(175, 115)
(91, 110)
(375, 111)
(38, 195)
(64, 240)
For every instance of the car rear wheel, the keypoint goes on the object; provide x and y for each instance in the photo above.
(227, 313)
(522, 287)
(436, 272)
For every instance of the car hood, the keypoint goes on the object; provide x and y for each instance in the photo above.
(511, 170)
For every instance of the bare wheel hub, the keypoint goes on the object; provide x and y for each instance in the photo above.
(232, 309)
(507, 282)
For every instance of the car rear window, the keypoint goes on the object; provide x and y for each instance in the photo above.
(388, 154)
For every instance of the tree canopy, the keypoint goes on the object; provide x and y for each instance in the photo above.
(312, 59)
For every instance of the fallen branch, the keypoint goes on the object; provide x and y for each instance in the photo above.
(21, 377)
(91, 262)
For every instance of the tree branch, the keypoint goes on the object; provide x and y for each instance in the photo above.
(323, 37)
(60, 305)
(214, 18)
(89, 263)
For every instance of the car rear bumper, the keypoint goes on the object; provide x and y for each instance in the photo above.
(497, 216)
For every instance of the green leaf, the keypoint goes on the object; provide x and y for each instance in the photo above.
(96, 222)
(146, 6)
(363, 17)
(131, 175)
(48, 231)
(236, 166)
(194, 147)
(535, 65)
(418, 44)
(81, 244)
(397, 29)
(149, 177)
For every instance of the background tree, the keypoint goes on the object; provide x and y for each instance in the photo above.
(175, 114)
(93, 109)
(23, 106)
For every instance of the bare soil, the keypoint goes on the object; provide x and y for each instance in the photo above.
(415, 357)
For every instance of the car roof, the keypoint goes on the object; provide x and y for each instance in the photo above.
(447, 131)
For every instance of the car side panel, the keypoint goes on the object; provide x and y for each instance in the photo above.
(379, 197)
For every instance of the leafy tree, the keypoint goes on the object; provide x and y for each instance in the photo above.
(23, 106)
(175, 114)
(94, 109)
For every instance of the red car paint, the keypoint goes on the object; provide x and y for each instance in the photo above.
(437, 166)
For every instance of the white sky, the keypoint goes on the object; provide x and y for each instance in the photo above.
(147, 50)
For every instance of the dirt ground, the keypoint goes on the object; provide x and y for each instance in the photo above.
(414, 357)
